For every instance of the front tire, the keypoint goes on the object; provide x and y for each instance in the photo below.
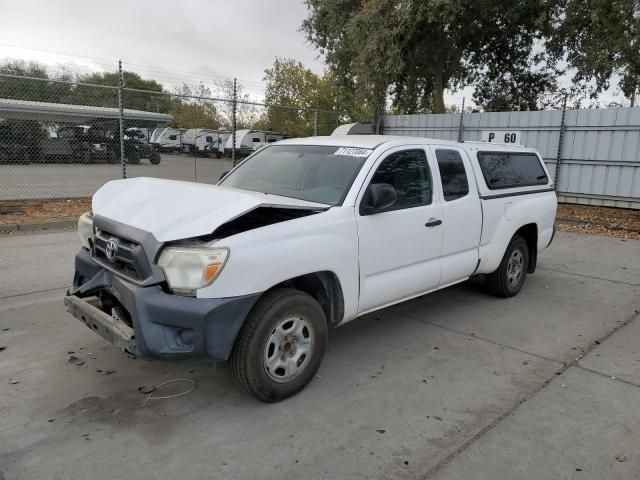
(509, 278)
(281, 345)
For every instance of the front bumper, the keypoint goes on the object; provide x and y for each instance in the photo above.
(159, 324)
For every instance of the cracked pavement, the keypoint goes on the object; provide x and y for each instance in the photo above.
(456, 384)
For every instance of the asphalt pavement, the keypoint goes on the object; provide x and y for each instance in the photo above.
(453, 385)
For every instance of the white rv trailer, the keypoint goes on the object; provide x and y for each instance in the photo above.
(203, 140)
(167, 139)
(248, 141)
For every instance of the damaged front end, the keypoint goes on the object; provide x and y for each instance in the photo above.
(125, 298)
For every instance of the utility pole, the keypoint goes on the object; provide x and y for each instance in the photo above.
(234, 108)
(121, 119)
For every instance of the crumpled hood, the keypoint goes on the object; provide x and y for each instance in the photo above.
(174, 210)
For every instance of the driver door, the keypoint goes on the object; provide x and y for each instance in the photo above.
(400, 247)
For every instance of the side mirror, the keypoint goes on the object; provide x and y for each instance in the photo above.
(379, 197)
(224, 174)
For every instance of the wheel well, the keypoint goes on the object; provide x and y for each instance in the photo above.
(325, 288)
(530, 234)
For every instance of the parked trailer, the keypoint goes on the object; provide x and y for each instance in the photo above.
(203, 141)
(248, 141)
(167, 139)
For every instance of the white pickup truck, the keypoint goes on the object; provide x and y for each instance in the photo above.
(303, 235)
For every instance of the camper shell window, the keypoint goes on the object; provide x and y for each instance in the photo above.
(208, 139)
(511, 169)
(256, 140)
(173, 137)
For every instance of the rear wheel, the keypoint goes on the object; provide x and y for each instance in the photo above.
(154, 158)
(279, 349)
(508, 279)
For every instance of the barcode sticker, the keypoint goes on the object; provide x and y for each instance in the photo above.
(353, 152)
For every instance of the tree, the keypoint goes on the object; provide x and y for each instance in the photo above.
(247, 115)
(290, 84)
(194, 112)
(601, 40)
(151, 102)
(413, 51)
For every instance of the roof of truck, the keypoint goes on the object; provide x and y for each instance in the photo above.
(374, 141)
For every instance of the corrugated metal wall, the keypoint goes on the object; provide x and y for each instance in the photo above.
(600, 154)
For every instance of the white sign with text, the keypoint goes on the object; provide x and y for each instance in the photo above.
(501, 136)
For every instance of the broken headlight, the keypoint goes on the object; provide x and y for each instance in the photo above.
(85, 229)
(189, 268)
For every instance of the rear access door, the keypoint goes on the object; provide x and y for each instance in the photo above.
(462, 213)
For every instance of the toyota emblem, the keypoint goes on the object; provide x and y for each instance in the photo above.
(111, 250)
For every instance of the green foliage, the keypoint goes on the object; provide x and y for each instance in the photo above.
(413, 51)
(600, 39)
(194, 112)
(290, 83)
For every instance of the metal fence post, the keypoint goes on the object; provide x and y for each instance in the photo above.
(315, 123)
(461, 126)
(234, 107)
(121, 119)
(556, 176)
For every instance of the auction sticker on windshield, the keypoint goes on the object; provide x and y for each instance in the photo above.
(353, 152)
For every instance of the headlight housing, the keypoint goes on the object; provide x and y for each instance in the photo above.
(85, 229)
(189, 268)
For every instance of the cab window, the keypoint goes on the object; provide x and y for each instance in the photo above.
(407, 172)
(452, 174)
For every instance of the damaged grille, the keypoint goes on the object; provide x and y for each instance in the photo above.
(121, 255)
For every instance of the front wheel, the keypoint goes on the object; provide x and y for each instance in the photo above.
(508, 279)
(280, 347)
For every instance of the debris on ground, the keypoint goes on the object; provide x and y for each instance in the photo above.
(620, 457)
(74, 360)
(3, 347)
(13, 382)
(381, 431)
(190, 389)
(146, 389)
(612, 222)
(33, 211)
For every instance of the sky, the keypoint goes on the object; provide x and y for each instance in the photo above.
(173, 42)
(164, 39)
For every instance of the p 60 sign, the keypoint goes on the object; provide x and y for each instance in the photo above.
(501, 136)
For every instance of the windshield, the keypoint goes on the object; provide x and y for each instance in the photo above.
(314, 173)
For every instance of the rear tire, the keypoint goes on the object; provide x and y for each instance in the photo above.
(281, 345)
(154, 158)
(509, 278)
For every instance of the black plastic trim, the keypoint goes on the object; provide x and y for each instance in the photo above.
(159, 319)
(515, 194)
(153, 274)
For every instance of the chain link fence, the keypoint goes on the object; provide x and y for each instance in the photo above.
(61, 138)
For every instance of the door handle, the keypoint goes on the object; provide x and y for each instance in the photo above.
(433, 222)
